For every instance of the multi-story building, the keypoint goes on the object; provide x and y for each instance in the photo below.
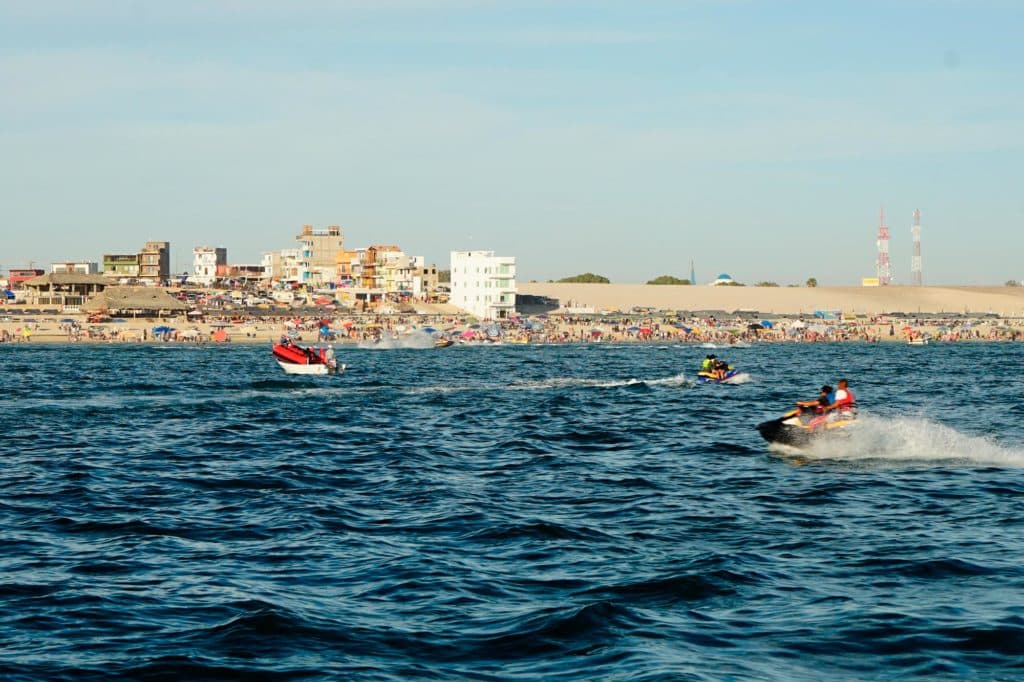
(155, 262)
(271, 264)
(75, 267)
(205, 261)
(285, 266)
(17, 277)
(121, 265)
(484, 284)
(424, 281)
(346, 262)
(318, 250)
(399, 271)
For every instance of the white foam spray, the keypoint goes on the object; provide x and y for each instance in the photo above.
(913, 440)
(417, 340)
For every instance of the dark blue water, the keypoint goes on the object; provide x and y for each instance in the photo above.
(508, 512)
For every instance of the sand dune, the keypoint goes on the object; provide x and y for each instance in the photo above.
(1004, 301)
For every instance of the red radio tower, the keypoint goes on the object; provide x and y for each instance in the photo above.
(882, 267)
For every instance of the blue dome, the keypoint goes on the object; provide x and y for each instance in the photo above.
(724, 276)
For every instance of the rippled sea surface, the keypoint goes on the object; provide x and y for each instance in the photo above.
(508, 512)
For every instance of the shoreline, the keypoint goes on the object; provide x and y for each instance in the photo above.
(581, 313)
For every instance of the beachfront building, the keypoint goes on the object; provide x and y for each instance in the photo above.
(155, 263)
(484, 284)
(79, 267)
(283, 267)
(205, 261)
(318, 250)
(121, 265)
(425, 281)
(378, 274)
(63, 289)
(346, 264)
(16, 278)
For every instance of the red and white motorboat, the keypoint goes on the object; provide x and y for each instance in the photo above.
(295, 359)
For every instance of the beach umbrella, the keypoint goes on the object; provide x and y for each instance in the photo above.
(767, 324)
(162, 329)
(68, 320)
(754, 327)
(468, 334)
(429, 330)
(194, 313)
(474, 326)
(632, 329)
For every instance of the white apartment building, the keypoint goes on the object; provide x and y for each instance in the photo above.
(484, 284)
(205, 260)
(79, 267)
(286, 265)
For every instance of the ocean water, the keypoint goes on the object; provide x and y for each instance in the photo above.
(513, 512)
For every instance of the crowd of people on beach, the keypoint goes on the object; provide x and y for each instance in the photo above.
(344, 327)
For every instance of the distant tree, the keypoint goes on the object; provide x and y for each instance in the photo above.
(585, 278)
(444, 276)
(1012, 283)
(732, 284)
(812, 282)
(668, 279)
(766, 284)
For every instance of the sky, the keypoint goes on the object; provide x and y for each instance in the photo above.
(624, 138)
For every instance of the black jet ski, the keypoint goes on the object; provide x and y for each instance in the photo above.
(800, 428)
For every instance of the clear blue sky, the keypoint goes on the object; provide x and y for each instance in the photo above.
(625, 138)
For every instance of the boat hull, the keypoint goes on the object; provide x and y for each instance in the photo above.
(708, 378)
(295, 368)
(295, 359)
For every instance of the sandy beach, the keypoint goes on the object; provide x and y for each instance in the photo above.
(590, 313)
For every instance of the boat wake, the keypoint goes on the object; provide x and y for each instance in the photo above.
(726, 346)
(679, 380)
(416, 340)
(912, 440)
